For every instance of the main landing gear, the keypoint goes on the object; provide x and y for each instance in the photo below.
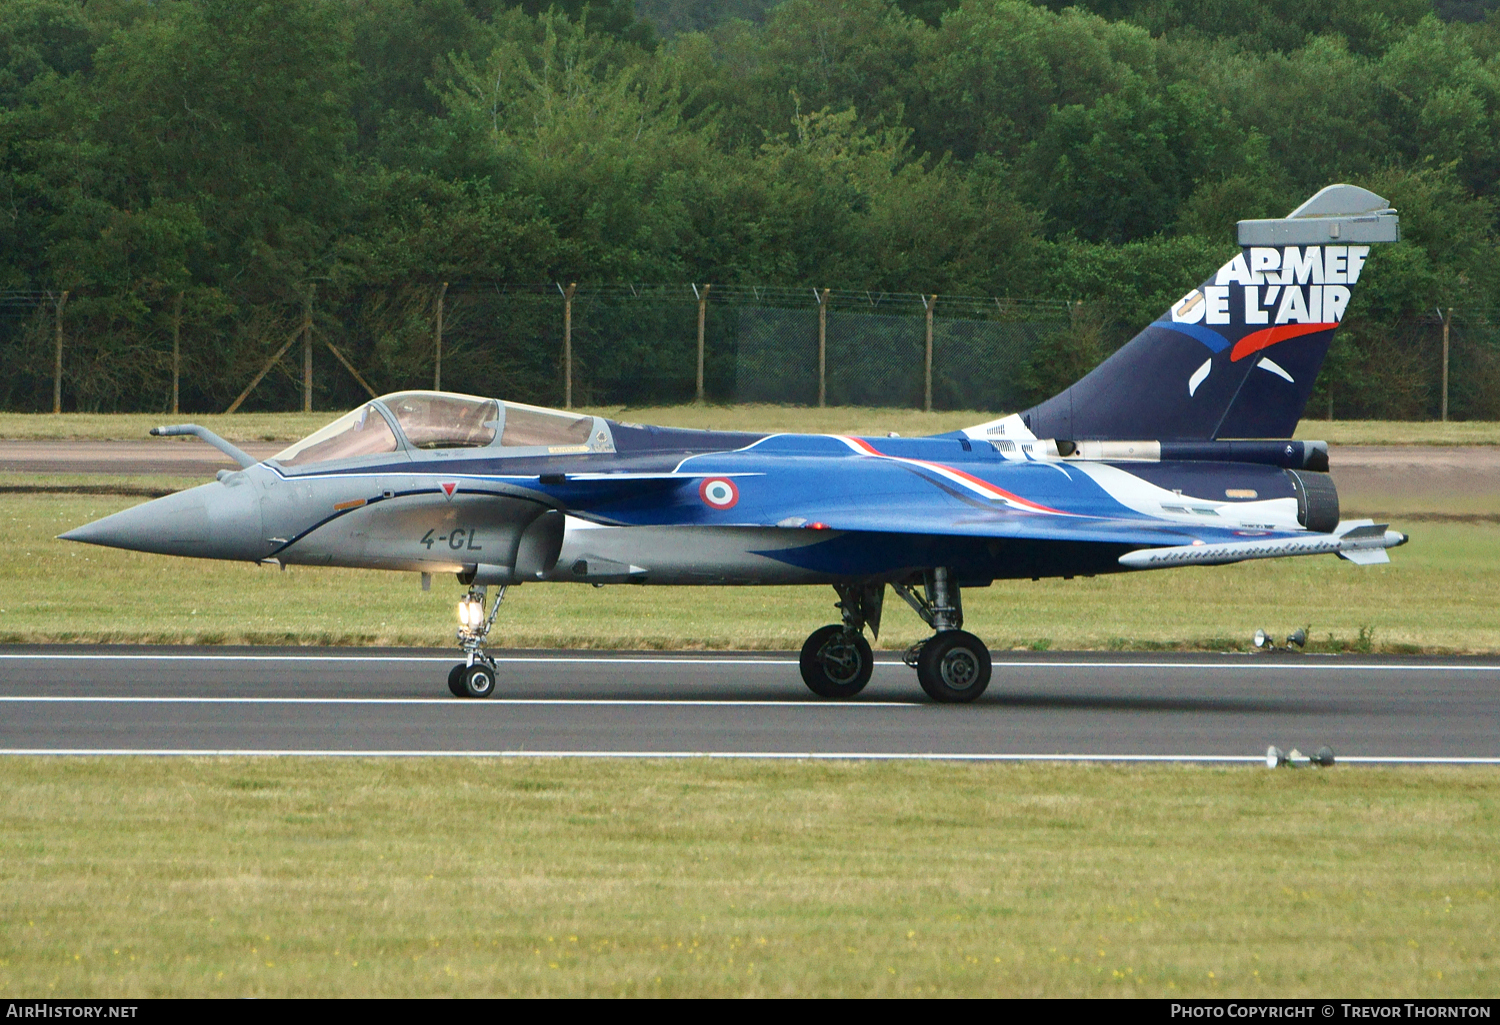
(474, 677)
(952, 666)
(836, 660)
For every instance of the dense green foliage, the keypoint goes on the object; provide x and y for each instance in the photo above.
(234, 156)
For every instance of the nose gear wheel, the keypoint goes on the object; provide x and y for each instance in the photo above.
(479, 680)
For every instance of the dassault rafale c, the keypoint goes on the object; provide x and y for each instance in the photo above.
(1175, 451)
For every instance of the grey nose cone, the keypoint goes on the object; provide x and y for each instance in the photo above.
(212, 521)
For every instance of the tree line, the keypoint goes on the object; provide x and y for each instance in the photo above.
(227, 165)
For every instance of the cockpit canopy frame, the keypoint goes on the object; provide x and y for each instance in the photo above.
(422, 425)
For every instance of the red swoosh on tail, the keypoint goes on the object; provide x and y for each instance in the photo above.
(1268, 337)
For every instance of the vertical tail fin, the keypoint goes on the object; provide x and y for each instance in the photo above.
(1237, 356)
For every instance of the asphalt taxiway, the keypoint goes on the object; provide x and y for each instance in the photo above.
(348, 701)
(171, 457)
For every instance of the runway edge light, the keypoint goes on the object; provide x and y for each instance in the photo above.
(1275, 758)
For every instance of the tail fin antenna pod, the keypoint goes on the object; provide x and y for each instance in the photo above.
(1237, 356)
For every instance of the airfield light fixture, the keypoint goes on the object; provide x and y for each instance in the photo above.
(1275, 758)
(1263, 641)
(1298, 638)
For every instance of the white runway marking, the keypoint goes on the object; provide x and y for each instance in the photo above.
(443, 659)
(1250, 662)
(451, 702)
(779, 755)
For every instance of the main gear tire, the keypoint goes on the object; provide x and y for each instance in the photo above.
(836, 663)
(954, 667)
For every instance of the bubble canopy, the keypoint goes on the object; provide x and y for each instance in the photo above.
(427, 420)
(432, 419)
(362, 432)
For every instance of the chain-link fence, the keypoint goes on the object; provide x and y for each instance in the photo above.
(555, 345)
(623, 345)
(638, 346)
(1444, 365)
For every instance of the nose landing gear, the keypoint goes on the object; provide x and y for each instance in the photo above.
(475, 676)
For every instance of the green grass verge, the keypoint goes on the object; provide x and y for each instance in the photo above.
(302, 877)
(1393, 432)
(844, 419)
(1439, 593)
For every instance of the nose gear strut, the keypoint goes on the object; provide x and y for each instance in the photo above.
(475, 676)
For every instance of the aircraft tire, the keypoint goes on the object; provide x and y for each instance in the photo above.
(954, 667)
(836, 663)
(456, 681)
(479, 681)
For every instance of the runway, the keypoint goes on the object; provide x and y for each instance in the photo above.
(119, 699)
(171, 457)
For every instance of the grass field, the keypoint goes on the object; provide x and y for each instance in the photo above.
(302, 877)
(244, 427)
(1440, 592)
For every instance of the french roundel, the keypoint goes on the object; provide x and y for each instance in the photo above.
(718, 493)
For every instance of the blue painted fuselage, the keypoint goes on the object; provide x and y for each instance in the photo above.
(788, 508)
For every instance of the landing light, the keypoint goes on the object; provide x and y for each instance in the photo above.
(470, 614)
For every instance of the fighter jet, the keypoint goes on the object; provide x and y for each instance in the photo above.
(1175, 451)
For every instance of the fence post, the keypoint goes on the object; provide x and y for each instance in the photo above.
(176, 351)
(822, 298)
(307, 350)
(567, 294)
(263, 371)
(350, 367)
(57, 357)
(928, 302)
(702, 319)
(437, 363)
(1446, 321)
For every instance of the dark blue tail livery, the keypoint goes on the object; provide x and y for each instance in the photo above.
(1237, 356)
